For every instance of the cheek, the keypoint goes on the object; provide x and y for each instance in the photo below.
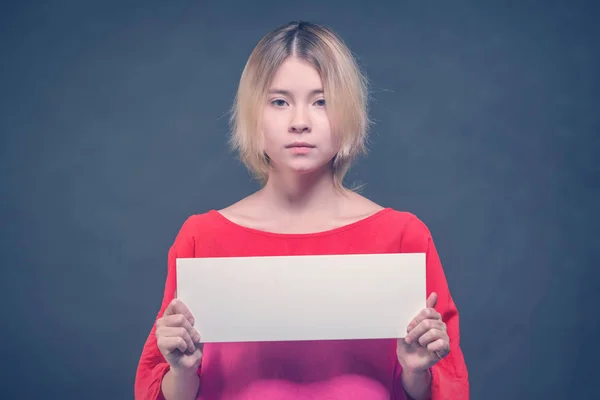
(269, 137)
(325, 127)
(271, 126)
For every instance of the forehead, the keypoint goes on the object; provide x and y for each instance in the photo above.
(298, 74)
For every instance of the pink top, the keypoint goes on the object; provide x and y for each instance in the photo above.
(345, 370)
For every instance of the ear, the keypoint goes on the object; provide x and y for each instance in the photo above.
(266, 158)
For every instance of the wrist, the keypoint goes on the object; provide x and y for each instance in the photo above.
(416, 373)
(183, 373)
(180, 383)
(417, 383)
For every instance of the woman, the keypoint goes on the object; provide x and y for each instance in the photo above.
(299, 120)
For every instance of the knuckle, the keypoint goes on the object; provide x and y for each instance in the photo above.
(163, 344)
(433, 347)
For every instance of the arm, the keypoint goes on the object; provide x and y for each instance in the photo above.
(448, 378)
(154, 380)
(417, 385)
(180, 385)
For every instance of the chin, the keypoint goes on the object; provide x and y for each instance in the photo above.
(306, 168)
(302, 165)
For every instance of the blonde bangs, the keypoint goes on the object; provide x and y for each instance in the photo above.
(344, 85)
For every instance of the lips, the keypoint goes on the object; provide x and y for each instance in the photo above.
(299, 145)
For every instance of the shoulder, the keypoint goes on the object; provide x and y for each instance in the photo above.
(414, 235)
(196, 225)
(410, 222)
(408, 225)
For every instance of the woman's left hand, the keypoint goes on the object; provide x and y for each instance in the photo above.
(426, 341)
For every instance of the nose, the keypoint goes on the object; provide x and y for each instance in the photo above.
(300, 122)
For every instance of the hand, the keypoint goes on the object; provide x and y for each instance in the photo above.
(426, 341)
(177, 339)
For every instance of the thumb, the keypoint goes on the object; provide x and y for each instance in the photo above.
(432, 300)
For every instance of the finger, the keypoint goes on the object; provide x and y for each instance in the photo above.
(178, 331)
(421, 328)
(181, 308)
(431, 336)
(427, 313)
(179, 320)
(440, 347)
(168, 344)
(169, 310)
(432, 300)
(434, 317)
(193, 361)
(172, 308)
(176, 306)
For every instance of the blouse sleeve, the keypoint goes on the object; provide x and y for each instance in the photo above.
(450, 379)
(152, 366)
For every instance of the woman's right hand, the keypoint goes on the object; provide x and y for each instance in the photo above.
(177, 339)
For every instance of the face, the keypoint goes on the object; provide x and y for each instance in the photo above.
(296, 128)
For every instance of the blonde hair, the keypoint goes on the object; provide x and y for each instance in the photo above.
(344, 85)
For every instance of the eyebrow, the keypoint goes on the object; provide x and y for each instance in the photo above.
(288, 93)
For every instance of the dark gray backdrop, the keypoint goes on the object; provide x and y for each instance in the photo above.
(114, 131)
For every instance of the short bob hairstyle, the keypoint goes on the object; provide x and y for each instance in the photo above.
(345, 90)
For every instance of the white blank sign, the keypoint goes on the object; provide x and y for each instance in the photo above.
(247, 299)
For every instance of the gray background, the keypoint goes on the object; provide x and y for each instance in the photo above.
(113, 131)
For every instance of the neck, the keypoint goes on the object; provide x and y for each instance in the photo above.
(294, 193)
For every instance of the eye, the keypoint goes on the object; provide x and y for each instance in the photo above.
(320, 103)
(279, 103)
